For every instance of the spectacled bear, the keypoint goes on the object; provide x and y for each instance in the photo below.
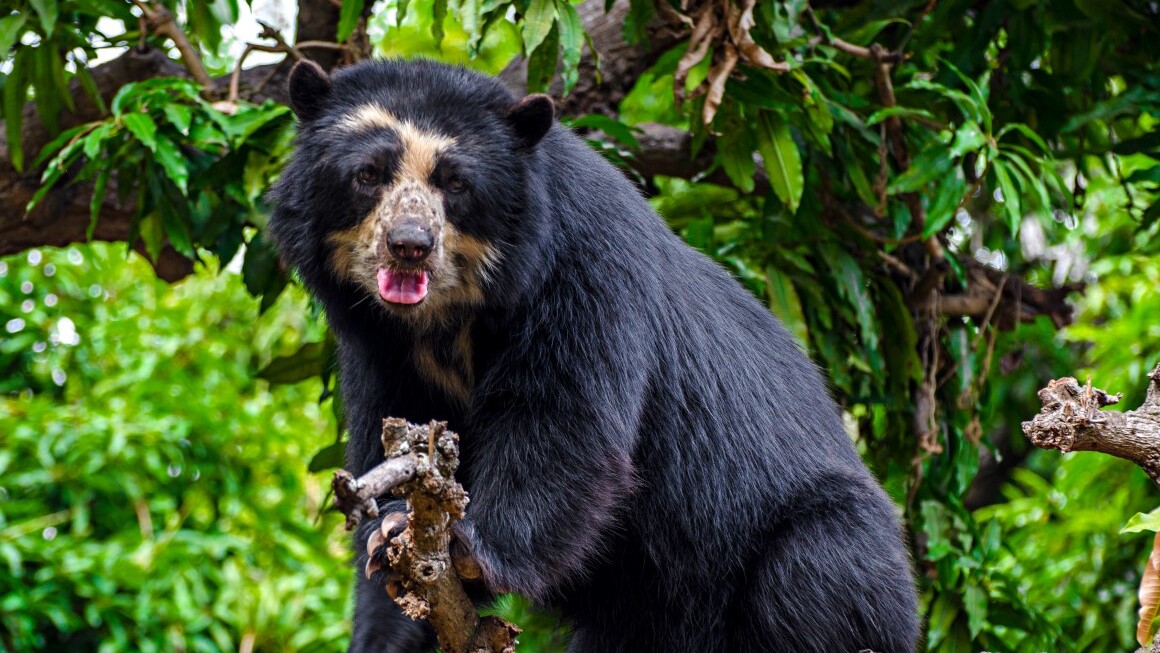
(631, 456)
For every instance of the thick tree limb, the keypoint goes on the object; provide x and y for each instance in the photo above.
(63, 216)
(1071, 420)
(421, 463)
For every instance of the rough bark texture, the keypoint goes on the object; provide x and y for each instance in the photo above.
(420, 465)
(1071, 420)
(357, 498)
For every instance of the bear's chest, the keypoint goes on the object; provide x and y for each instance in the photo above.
(445, 360)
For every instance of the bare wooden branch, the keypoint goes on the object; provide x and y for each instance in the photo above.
(420, 465)
(1071, 420)
(859, 51)
(357, 497)
(160, 21)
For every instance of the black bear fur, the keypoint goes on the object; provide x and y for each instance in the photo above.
(646, 449)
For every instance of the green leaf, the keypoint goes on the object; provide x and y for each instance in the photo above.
(786, 305)
(47, 10)
(622, 133)
(901, 112)
(975, 604)
(42, 76)
(1145, 175)
(10, 29)
(329, 457)
(948, 194)
(542, 63)
(1029, 179)
(306, 363)
(538, 21)
(942, 617)
(55, 145)
(89, 84)
(142, 126)
(968, 138)
(175, 165)
(95, 139)
(931, 163)
(571, 41)
(348, 17)
(851, 286)
(1151, 215)
(864, 32)
(965, 103)
(244, 124)
(15, 93)
(1027, 132)
(1142, 521)
(1011, 205)
(180, 116)
(979, 92)
(97, 200)
(260, 269)
(152, 233)
(469, 14)
(636, 23)
(782, 159)
(55, 65)
(735, 147)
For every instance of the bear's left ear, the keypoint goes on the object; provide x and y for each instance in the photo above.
(531, 118)
(309, 89)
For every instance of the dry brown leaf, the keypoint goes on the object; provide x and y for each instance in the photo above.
(750, 50)
(739, 18)
(718, 75)
(705, 31)
(671, 15)
(1149, 594)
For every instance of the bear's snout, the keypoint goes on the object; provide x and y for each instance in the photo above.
(409, 242)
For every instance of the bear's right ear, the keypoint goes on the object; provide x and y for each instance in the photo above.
(309, 89)
(531, 118)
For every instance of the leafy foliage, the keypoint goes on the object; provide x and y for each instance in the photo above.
(157, 501)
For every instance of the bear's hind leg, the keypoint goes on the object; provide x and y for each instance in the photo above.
(831, 581)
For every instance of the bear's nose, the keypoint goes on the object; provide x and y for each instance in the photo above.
(410, 243)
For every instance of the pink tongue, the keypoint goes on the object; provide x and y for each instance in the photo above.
(402, 287)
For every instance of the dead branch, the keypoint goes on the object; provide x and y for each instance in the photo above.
(420, 465)
(357, 498)
(1071, 420)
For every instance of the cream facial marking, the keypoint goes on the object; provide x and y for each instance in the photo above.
(421, 148)
(457, 267)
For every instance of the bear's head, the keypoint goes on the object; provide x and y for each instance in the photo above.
(407, 185)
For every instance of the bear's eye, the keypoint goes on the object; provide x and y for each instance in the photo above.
(456, 184)
(367, 176)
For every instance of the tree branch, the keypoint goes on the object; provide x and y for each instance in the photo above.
(160, 21)
(318, 21)
(1071, 420)
(421, 463)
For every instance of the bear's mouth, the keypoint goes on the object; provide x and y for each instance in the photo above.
(402, 286)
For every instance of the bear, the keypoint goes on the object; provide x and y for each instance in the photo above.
(647, 451)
